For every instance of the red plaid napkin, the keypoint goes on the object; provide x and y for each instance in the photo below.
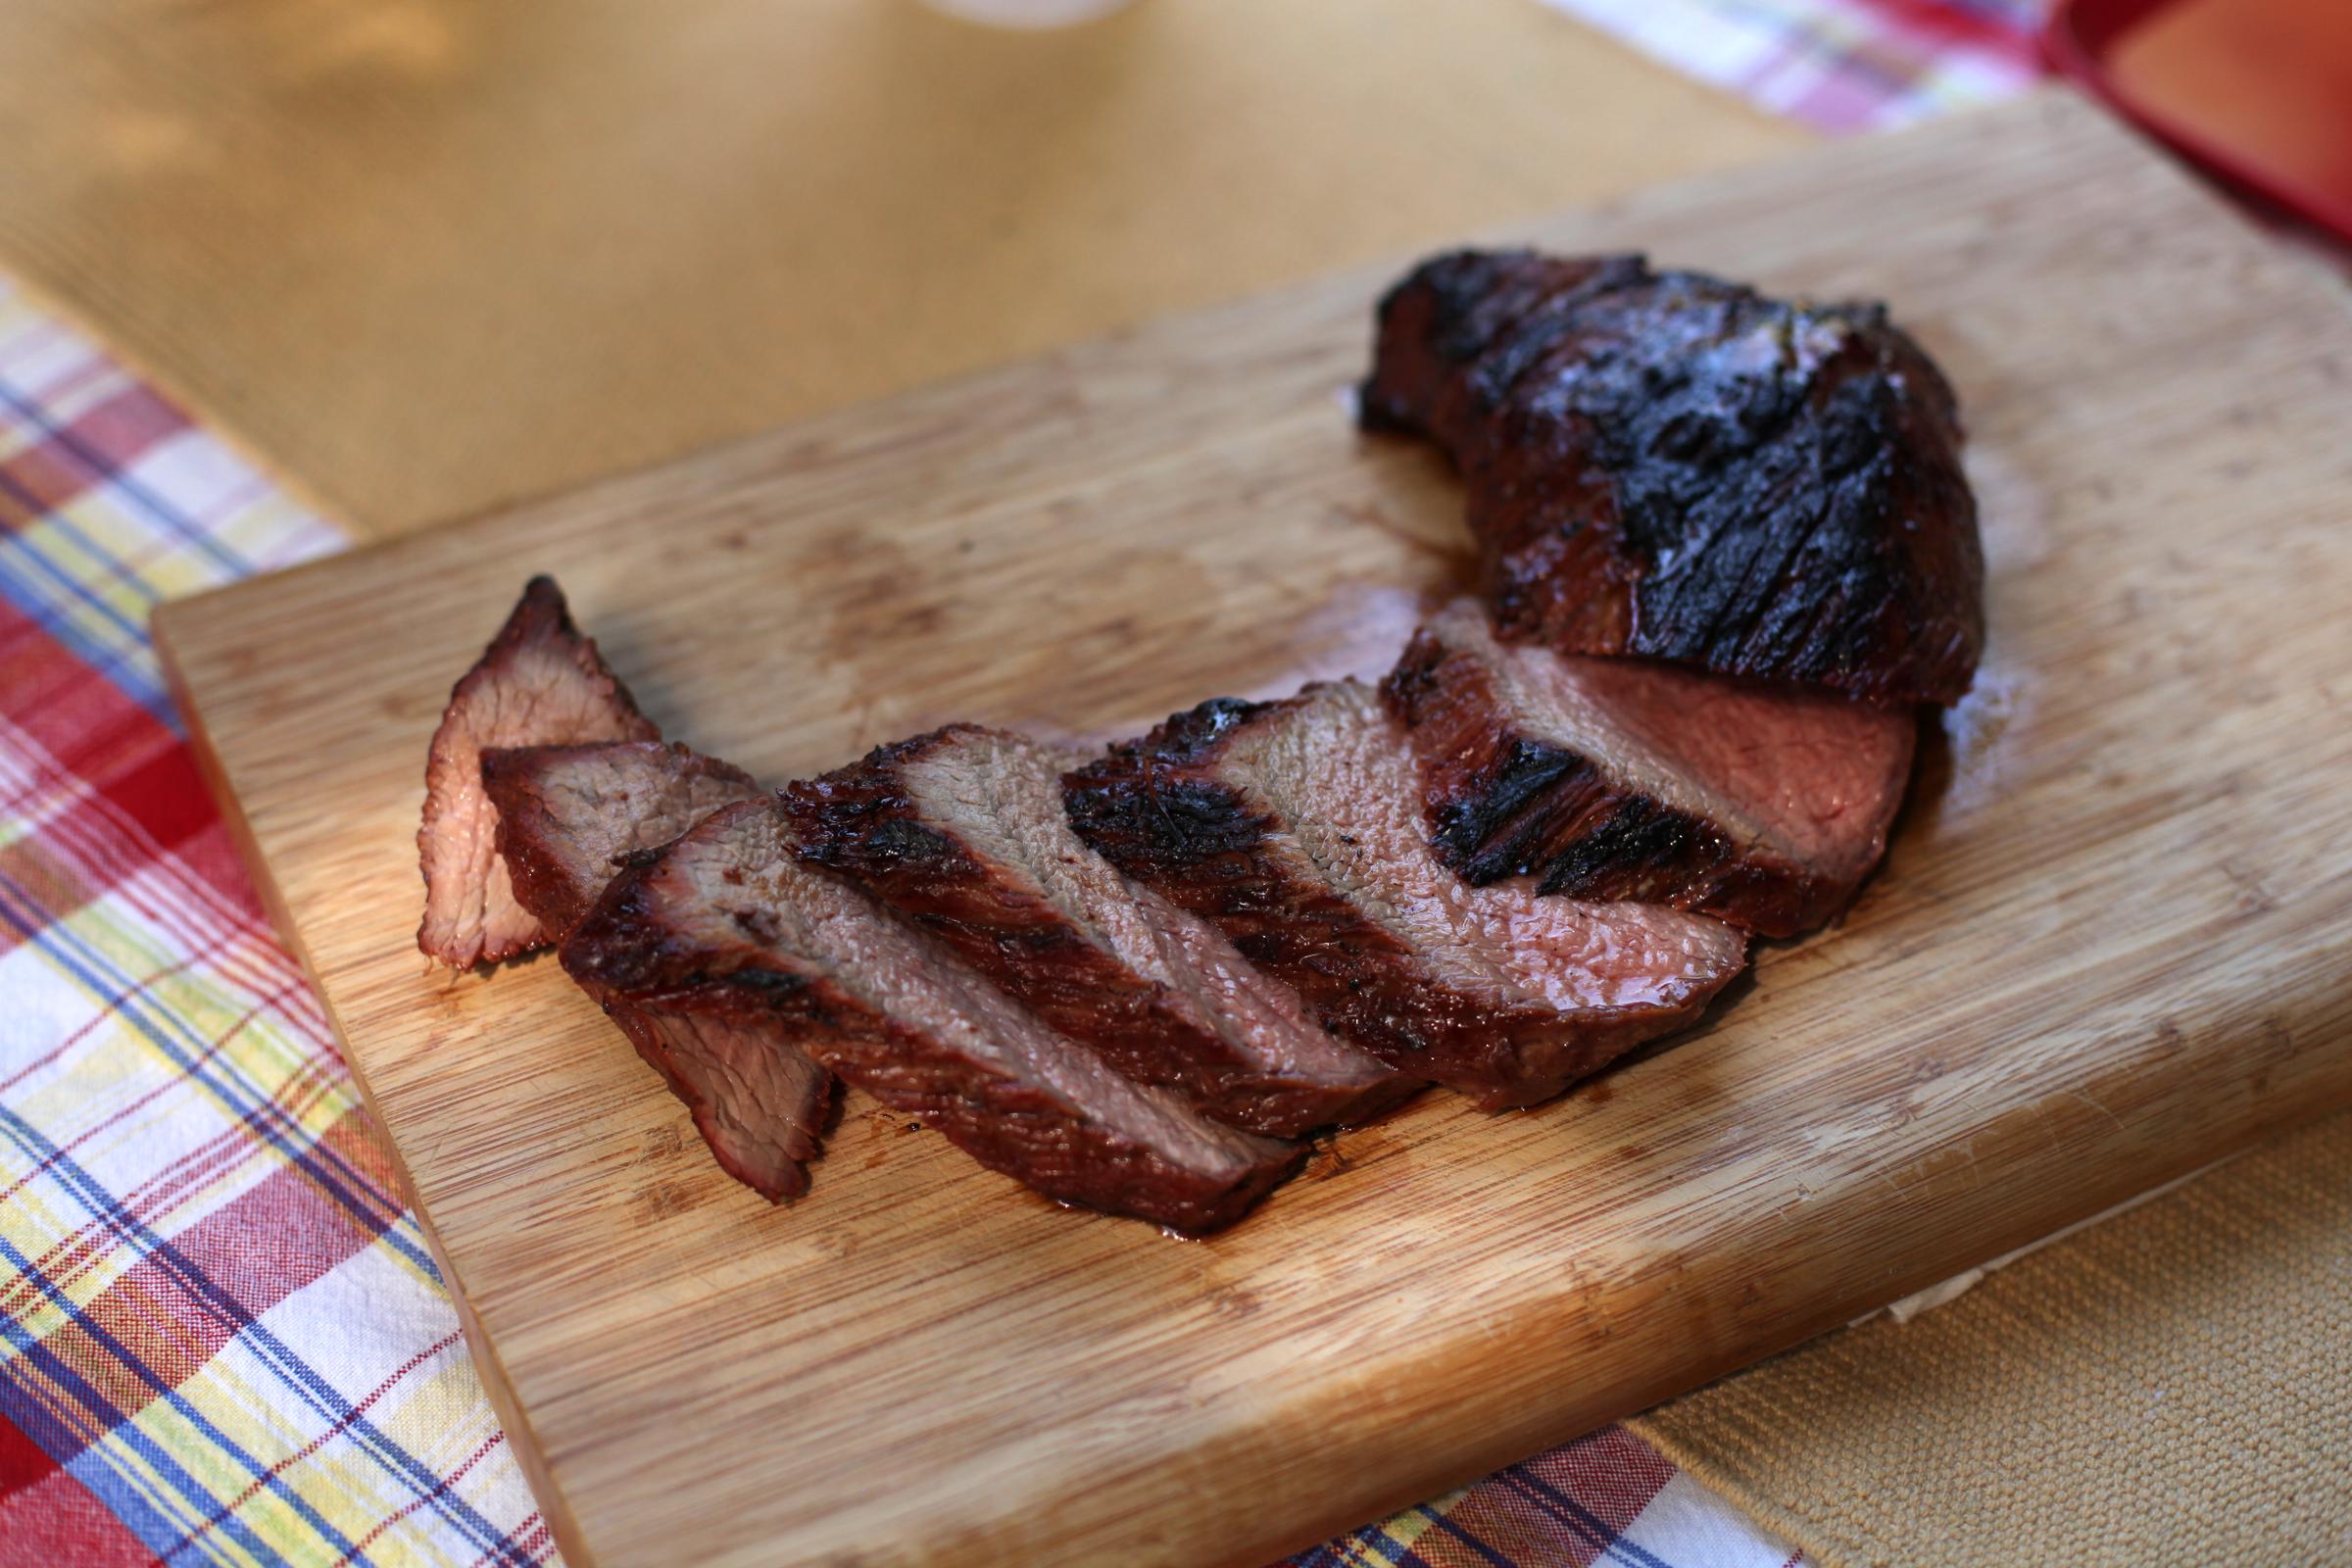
(224, 1337)
(1838, 64)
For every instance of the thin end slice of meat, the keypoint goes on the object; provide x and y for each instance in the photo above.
(539, 682)
(1674, 466)
(728, 921)
(1622, 778)
(963, 830)
(567, 815)
(1295, 826)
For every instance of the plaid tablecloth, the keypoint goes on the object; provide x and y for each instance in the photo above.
(225, 1340)
(1838, 64)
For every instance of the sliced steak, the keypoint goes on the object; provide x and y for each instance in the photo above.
(565, 815)
(539, 682)
(757, 1097)
(1622, 778)
(1667, 464)
(963, 830)
(1295, 826)
(728, 921)
(568, 814)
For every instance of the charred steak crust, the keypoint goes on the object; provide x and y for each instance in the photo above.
(1507, 794)
(1668, 464)
(1151, 807)
(1504, 805)
(538, 682)
(1437, 322)
(1158, 810)
(663, 936)
(867, 823)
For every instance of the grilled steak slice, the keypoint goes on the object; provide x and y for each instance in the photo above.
(1620, 778)
(1295, 827)
(963, 830)
(728, 921)
(757, 1097)
(1667, 464)
(565, 815)
(539, 682)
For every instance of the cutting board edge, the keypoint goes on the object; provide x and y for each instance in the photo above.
(1589, 1416)
(497, 1386)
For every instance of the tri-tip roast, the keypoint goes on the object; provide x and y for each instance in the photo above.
(1726, 549)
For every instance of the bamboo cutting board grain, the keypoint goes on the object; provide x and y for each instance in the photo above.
(2109, 942)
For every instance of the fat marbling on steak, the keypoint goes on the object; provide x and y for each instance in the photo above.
(729, 921)
(567, 817)
(963, 830)
(1667, 464)
(1624, 778)
(538, 682)
(1296, 828)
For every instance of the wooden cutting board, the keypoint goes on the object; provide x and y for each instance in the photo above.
(2110, 942)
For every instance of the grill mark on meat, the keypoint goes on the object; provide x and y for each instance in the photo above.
(893, 1010)
(1620, 780)
(1443, 331)
(963, 830)
(538, 682)
(567, 817)
(1671, 466)
(1294, 827)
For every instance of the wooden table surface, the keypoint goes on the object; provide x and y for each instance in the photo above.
(427, 257)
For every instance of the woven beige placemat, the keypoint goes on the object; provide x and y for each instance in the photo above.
(2172, 1386)
(430, 255)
